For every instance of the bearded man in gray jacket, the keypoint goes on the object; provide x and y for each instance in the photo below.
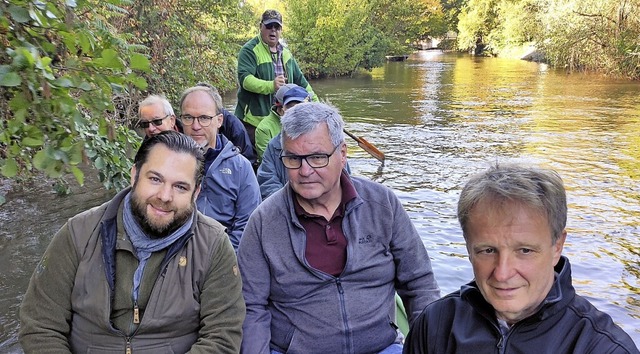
(321, 258)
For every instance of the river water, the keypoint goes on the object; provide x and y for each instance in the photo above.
(440, 118)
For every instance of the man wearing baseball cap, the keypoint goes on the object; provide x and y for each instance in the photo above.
(265, 65)
(270, 126)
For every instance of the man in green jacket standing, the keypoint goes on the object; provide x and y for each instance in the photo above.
(264, 65)
(144, 272)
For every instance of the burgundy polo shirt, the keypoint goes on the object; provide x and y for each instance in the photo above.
(326, 248)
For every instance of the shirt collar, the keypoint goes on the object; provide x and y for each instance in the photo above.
(349, 193)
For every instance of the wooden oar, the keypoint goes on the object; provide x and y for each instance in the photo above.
(367, 146)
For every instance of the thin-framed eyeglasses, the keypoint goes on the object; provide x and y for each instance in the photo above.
(272, 25)
(144, 124)
(294, 162)
(204, 120)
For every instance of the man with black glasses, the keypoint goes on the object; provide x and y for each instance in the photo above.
(320, 258)
(264, 65)
(156, 115)
(233, 128)
(230, 190)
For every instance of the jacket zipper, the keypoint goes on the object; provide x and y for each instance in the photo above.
(136, 313)
(502, 342)
(344, 316)
(136, 310)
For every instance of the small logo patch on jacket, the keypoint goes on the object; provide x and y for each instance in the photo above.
(226, 171)
(42, 265)
(365, 239)
(183, 261)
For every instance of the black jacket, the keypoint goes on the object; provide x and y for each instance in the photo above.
(463, 322)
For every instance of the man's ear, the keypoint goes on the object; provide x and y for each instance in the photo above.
(220, 118)
(343, 154)
(558, 246)
(133, 174)
(196, 193)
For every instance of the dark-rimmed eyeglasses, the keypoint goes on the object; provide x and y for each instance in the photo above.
(272, 25)
(294, 162)
(144, 124)
(204, 120)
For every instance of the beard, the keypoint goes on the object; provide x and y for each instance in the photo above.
(153, 228)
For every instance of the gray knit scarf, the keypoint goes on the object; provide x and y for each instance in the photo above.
(143, 244)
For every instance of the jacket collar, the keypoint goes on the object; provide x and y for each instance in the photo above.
(351, 204)
(561, 293)
(109, 234)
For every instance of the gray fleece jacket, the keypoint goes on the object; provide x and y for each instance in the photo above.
(294, 308)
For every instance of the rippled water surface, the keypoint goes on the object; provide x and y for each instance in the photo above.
(28, 221)
(439, 119)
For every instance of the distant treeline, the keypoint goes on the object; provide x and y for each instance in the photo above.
(594, 35)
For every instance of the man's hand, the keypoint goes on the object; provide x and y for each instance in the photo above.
(279, 81)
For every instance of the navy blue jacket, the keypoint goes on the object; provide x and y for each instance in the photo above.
(463, 322)
(235, 131)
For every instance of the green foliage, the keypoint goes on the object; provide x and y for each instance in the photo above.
(73, 72)
(188, 41)
(600, 35)
(476, 22)
(113, 161)
(336, 37)
(593, 35)
(451, 11)
(58, 73)
(329, 37)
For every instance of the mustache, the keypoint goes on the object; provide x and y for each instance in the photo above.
(159, 204)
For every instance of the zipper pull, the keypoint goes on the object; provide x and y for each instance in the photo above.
(128, 350)
(136, 315)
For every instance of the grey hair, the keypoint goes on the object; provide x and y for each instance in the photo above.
(305, 117)
(204, 87)
(540, 189)
(153, 99)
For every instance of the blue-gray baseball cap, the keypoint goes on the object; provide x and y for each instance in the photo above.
(296, 94)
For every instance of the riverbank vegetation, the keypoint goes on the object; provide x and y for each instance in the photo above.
(73, 70)
(593, 35)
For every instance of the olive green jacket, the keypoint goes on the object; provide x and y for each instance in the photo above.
(79, 297)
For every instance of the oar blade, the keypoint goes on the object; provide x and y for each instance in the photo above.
(372, 150)
(367, 146)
